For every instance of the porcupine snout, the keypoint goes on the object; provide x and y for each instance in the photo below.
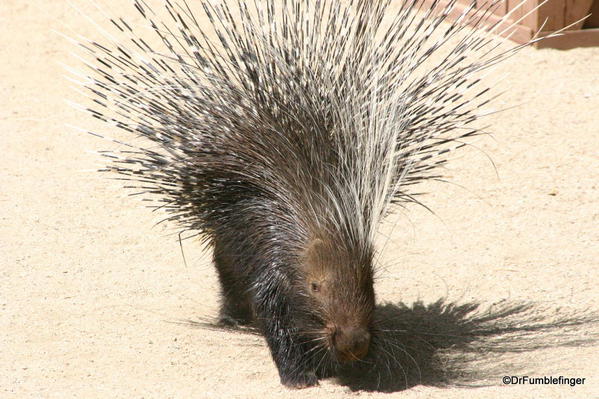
(350, 343)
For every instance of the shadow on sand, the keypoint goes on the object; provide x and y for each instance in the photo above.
(449, 344)
(443, 344)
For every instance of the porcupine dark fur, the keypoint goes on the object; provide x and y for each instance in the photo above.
(287, 139)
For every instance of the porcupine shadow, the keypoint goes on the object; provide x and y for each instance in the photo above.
(447, 344)
(444, 343)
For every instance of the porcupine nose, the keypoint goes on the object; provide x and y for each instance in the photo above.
(351, 343)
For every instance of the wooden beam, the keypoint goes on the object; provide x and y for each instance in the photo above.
(552, 15)
(575, 10)
(521, 33)
(558, 13)
(571, 39)
(531, 20)
(593, 20)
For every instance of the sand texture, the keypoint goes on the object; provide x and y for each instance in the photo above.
(92, 295)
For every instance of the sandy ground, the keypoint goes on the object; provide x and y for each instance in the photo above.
(90, 293)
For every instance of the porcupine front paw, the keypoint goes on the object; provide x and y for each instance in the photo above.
(294, 371)
(299, 380)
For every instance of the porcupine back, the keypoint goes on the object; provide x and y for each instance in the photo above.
(324, 110)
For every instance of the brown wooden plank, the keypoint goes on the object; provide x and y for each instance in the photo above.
(552, 15)
(530, 21)
(575, 10)
(460, 6)
(593, 20)
(521, 33)
(571, 39)
(560, 12)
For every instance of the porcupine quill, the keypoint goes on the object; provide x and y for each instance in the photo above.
(283, 132)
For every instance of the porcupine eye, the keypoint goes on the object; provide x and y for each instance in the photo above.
(315, 287)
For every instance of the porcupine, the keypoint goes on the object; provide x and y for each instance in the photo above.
(287, 139)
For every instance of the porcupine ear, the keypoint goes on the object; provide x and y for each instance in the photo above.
(315, 251)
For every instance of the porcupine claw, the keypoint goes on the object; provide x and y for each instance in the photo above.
(301, 381)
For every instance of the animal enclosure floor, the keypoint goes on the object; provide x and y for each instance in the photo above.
(94, 300)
